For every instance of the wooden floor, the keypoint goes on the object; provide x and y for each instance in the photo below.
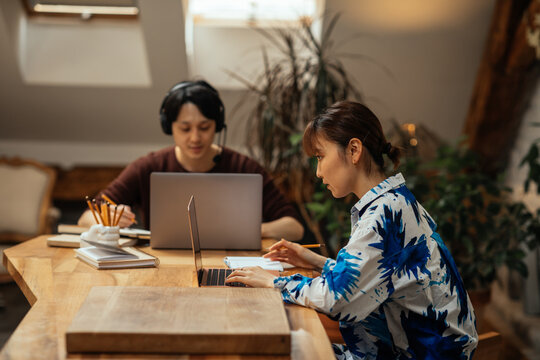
(13, 307)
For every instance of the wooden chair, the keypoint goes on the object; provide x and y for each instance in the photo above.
(489, 346)
(25, 207)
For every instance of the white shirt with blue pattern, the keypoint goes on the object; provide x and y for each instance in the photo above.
(394, 287)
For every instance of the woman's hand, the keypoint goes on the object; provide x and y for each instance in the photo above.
(295, 255)
(254, 276)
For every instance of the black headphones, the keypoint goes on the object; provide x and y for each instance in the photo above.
(166, 123)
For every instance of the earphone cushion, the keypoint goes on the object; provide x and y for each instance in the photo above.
(165, 124)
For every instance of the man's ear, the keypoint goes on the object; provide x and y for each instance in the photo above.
(354, 150)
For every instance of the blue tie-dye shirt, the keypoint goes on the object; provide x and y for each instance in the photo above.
(394, 287)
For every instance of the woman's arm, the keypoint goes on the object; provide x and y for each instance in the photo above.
(295, 255)
(286, 227)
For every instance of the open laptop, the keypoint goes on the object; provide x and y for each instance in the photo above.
(205, 277)
(229, 210)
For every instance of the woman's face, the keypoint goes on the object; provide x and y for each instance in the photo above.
(334, 168)
(193, 133)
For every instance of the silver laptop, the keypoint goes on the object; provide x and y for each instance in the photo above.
(205, 276)
(229, 210)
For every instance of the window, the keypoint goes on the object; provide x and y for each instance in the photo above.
(65, 50)
(252, 12)
(84, 8)
(220, 36)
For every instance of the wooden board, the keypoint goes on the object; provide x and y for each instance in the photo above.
(144, 319)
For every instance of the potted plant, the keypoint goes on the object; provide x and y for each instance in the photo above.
(289, 93)
(483, 227)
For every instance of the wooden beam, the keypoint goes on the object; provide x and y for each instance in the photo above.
(76, 183)
(506, 79)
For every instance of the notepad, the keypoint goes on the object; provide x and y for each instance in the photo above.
(104, 259)
(126, 232)
(74, 241)
(236, 262)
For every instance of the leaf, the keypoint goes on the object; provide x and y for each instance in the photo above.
(519, 266)
(295, 139)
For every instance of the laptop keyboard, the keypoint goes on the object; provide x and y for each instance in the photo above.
(216, 277)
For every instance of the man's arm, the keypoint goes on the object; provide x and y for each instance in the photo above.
(286, 227)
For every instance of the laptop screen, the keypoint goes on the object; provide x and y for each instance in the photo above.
(194, 234)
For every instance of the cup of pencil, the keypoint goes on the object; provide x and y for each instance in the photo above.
(108, 235)
(106, 213)
(107, 216)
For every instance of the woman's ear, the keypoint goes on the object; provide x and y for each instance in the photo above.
(354, 150)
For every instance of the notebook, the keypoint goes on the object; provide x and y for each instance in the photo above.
(104, 259)
(124, 232)
(229, 210)
(74, 241)
(205, 277)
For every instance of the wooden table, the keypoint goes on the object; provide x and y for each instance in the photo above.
(55, 284)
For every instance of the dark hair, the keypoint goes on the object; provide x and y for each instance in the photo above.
(346, 120)
(201, 94)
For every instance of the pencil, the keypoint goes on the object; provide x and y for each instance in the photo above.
(97, 210)
(113, 203)
(307, 246)
(104, 214)
(109, 219)
(119, 216)
(114, 215)
(311, 246)
(108, 199)
(92, 209)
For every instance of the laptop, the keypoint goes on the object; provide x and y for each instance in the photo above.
(229, 213)
(205, 277)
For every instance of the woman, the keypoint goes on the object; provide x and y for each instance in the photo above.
(192, 112)
(394, 287)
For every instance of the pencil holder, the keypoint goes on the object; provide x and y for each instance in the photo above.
(91, 235)
(109, 235)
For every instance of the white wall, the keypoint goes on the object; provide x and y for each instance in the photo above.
(432, 48)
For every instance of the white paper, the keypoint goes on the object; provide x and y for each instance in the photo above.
(235, 262)
(135, 232)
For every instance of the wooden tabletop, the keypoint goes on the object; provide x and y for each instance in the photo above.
(56, 283)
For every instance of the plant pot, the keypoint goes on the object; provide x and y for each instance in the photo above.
(480, 299)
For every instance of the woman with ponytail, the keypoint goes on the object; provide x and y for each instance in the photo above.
(394, 288)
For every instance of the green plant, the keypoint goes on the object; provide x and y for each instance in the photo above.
(476, 217)
(289, 93)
